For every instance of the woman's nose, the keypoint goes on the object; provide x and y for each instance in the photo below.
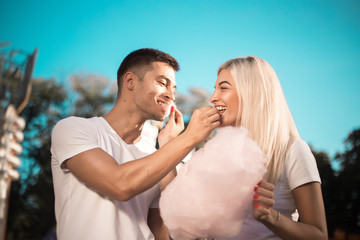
(213, 97)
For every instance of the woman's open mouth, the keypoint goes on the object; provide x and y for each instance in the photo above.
(221, 109)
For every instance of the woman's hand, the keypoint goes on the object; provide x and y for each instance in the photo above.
(309, 204)
(263, 200)
(172, 128)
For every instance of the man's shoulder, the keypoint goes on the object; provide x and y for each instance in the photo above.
(72, 133)
(72, 125)
(75, 121)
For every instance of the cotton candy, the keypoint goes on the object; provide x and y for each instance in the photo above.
(212, 191)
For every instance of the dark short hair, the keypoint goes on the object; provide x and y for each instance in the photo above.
(139, 61)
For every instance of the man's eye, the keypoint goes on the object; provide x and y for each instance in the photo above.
(162, 83)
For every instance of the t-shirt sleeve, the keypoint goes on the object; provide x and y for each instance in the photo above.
(72, 136)
(155, 202)
(301, 165)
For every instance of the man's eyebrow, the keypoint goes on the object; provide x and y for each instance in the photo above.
(168, 80)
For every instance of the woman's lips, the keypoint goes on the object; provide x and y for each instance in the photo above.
(221, 109)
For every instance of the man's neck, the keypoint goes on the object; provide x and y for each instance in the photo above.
(126, 124)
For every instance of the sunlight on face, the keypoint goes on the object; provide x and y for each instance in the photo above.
(155, 93)
(225, 98)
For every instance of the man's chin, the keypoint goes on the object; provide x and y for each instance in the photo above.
(158, 118)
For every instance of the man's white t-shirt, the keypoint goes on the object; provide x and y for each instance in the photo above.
(83, 213)
(300, 168)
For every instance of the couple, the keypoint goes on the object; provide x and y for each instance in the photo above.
(107, 179)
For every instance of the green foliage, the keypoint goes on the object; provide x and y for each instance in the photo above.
(93, 96)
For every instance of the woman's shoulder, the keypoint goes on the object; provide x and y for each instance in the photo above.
(298, 146)
(300, 164)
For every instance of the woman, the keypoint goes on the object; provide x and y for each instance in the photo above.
(248, 93)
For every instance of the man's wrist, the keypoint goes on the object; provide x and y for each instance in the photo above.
(188, 139)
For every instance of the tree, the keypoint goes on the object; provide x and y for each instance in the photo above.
(93, 95)
(328, 181)
(348, 187)
(341, 189)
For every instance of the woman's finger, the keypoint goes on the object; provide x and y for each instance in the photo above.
(263, 201)
(266, 185)
(172, 114)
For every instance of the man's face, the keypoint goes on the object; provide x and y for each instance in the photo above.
(155, 93)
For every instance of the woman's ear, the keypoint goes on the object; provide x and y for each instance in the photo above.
(129, 81)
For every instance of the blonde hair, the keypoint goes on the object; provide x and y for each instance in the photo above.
(263, 110)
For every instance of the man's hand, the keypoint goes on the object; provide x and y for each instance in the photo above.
(203, 121)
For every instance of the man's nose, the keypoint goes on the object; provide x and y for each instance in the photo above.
(170, 94)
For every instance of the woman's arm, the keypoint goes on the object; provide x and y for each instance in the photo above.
(156, 225)
(309, 202)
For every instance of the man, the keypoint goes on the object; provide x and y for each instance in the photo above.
(106, 177)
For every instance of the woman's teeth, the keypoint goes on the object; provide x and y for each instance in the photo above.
(221, 108)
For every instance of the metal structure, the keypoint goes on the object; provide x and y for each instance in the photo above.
(16, 70)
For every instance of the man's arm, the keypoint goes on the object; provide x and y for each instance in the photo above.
(100, 171)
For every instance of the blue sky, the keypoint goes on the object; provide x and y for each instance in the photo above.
(313, 45)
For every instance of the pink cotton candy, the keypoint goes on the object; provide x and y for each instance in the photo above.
(212, 191)
(168, 108)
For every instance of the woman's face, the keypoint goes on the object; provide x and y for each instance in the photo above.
(225, 98)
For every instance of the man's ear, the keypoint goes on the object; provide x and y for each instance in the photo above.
(129, 81)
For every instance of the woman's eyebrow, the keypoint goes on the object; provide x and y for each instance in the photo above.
(224, 82)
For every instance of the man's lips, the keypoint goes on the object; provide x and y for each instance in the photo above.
(165, 106)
